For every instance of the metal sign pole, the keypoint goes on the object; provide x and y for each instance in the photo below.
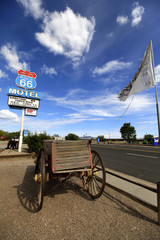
(21, 132)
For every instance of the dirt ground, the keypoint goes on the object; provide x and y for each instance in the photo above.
(68, 212)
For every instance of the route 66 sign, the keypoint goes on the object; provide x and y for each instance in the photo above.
(26, 79)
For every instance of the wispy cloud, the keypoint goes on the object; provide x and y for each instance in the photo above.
(95, 108)
(3, 74)
(112, 66)
(110, 35)
(92, 107)
(48, 70)
(100, 104)
(6, 114)
(157, 73)
(122, 20)
(41, 125)
(137, 13)
(9, 52)
(34, 8)
(51, 114)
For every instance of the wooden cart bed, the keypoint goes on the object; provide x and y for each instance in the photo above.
(68, 156)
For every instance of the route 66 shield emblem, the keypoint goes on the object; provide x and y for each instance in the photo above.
(26, 80)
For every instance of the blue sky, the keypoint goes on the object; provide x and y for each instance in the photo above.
(83, 53)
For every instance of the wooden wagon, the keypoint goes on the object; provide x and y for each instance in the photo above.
(63, 159)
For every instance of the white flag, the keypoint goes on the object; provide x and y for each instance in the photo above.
(144, 77)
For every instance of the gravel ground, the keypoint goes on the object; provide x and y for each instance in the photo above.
(68, 212)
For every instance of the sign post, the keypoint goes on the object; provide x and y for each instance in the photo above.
(21, 132)
(23, 98)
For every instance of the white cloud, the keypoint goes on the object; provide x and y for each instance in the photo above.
(76, 115)
(157, 73)
(74, 41)
(64, 33)
(41, 125)
(112, 66)
(101, 105)
(6, 114)
(10, 54)
(98, 112)
(142, 102)
(110, 35)
(51, 114)
(3, 74)
(51, 71)
(122, 20)
(33, 7)
(94, 106)
(137, 13)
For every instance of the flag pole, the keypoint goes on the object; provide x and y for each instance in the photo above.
(155, 87)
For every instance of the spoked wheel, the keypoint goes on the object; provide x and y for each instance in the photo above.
(41, 180)
(97, 177)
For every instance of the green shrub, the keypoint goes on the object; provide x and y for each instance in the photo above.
(35, 142)
(145, 142)
(72, 136)
(148, 138)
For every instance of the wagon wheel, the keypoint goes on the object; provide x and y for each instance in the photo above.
(41, 180)
(97, 177)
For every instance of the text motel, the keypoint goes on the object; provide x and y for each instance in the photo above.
(23, 93)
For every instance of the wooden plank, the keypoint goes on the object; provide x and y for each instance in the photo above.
(70, 166)
(73, 170)
(71, 148)
(73, 159)
(47, 147)
(71, 153)
(53, 165)
(68, 142)
(84, 164)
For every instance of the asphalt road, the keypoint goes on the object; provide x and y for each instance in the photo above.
(137, 161)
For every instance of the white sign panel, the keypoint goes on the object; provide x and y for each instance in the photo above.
(31, 112)
(23, 102)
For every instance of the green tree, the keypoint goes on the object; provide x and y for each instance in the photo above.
(11, 135)
(55, 136)
(101, 138)
(148, 138)
(72, 136)
(2, 133)
(128, 132)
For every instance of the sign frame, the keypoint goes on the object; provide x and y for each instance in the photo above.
(33, 112)
(23, 102)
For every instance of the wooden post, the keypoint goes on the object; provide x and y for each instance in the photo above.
(158, 202)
